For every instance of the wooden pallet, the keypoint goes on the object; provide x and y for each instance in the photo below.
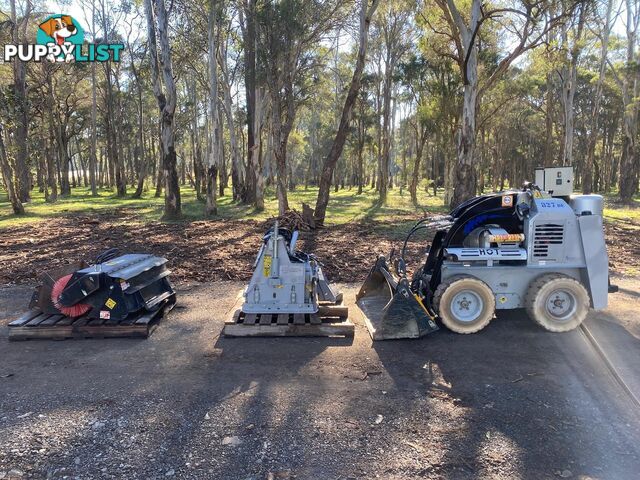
(37, 325)
(331, 320)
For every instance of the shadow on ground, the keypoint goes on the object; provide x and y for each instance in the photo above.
(510, 402)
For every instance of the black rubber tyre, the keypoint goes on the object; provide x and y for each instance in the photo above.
(464, 303)
(557, 302)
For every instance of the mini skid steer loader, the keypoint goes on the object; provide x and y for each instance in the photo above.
(544, 251)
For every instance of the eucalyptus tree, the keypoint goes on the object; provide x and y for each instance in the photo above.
(603, 31)
(367, 10)
(394, 29)
(254, 85)
(109, 17)
(7, 175)
(21, 106)
(214, 145)
(628, 79)
(572, 45)
(164, 89)
(289, 34)
(526, 23)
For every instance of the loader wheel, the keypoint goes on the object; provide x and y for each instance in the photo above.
(464, 303)
(557, 302)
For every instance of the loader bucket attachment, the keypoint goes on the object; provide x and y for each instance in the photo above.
(390, 308)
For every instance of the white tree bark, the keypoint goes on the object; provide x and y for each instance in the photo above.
(228, 110)
(94, 148)
(213, 155)
(569, 83)
(587, 171)
(161, 64)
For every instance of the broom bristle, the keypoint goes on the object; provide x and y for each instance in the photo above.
(76, 310)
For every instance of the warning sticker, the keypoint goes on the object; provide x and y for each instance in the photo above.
(110, 303)
(295, 272)
(105, 315)
(266, 266)
(507, 200)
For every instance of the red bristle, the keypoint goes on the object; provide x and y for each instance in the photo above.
(76, 310)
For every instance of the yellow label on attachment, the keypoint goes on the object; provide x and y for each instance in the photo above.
(266, 266)
(110, 303)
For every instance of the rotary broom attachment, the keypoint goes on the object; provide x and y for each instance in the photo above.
(115, 287)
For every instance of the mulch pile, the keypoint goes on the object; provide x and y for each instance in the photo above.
(213, 250)
(198, 251)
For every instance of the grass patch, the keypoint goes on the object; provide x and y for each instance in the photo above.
(625, 213)
(344, 206)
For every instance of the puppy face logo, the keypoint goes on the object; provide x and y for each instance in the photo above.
(62, 31)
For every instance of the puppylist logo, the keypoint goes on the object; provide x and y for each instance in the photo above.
(60, 38)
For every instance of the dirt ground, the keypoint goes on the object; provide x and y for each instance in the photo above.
(512, 401)
(215, 250)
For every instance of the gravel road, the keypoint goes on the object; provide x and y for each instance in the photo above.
(510, 402)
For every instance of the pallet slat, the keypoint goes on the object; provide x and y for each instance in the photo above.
(52, 320)
(331, 320)
(37, 320)
(37, 325)
(31, 314)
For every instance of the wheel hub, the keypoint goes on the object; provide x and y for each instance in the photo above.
(561, 304)
(466, 306)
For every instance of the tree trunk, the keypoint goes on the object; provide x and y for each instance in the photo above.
(415, 176)
(386, 126)
(7, 174)
(51, 164)
(465, 175)
(237, 170)
(630, 91)
(366, 12)
(213, 157)
(280, 139)
(93, 154)
(251, 91)
(587, 172)
(256, 157)
(195, 140)
(23, 174)
(142, 158)
(166, 102)
(569, 84)
(63, 158)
